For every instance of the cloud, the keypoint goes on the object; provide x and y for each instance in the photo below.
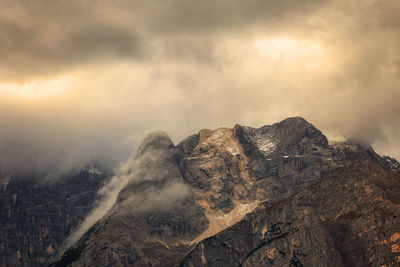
(199, 17)
(150, 180)
(82, 80)
(47, 37)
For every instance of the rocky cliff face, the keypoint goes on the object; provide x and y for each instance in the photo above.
(348, 218)
(153, 219)
(37, 217)
(194, 197)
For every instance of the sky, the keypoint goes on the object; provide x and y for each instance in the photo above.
(84, 80)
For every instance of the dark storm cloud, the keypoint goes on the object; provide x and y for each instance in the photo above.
(43, 37)
(191, 16)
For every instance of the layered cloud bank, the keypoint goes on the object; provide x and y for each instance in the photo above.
(84, 80)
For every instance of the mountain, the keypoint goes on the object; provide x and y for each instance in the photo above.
(36, 217)
(280, 195)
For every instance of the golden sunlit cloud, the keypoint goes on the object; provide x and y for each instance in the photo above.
(291, 51)
(36, 89)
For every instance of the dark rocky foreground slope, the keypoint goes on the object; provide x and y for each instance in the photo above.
(304, 207)
(36, 217)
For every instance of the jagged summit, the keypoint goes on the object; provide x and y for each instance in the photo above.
(295, 120)
(157, 140)
(178, 196)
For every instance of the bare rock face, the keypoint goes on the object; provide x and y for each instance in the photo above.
(348, 218)
(36, 217)
(232, 170)
(152, 222)
(181, 198)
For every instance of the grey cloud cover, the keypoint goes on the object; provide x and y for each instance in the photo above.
(129, 67)
(45, 37)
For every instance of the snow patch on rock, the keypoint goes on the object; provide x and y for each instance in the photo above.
(265, 143)
(93, 170)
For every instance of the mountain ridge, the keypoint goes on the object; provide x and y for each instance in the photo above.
(227, 173)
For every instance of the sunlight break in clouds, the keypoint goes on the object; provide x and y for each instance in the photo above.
(290, 51)
(36, 89)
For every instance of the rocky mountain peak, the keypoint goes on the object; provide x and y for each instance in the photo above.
(290, 136)
(157, 140)
(222, 139)
(184, 197)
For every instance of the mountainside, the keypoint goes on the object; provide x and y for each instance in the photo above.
(294, 186)
(37, 217)
(348, 218)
